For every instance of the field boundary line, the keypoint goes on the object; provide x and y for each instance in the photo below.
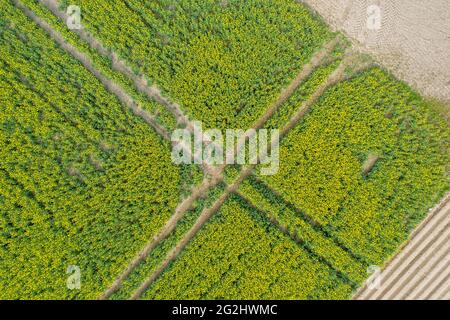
(427, 279)
(207, 183)
(110, 85)
(433, 271)
(334, 78)
(316, 229)
(202, 219)
(307, 69)
(410, 246)
(434, 247)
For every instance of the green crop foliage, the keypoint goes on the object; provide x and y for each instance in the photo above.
(240, 254)
(82, 181)
(321, 163)
(223, 62)
(159, 253)
(306, 89)
(303, 231)
(85, 182)
(103, 64)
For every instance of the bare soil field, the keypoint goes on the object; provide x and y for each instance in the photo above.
(421, 270)
(412, 41)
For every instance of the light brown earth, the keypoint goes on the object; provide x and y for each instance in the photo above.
(137, 110)
(421, 270)
(413, 42)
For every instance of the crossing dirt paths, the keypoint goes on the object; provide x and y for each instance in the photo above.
(217, 175)
(419, 271)
(337, 76)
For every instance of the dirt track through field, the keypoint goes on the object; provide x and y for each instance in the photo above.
(317, 60)
(139, 81)
(217, 175)
(315, 225)
(204, 217)
(414, 44)
(152, 92)
(109, 85)
(413, 40)
(421, 269)
(334, 78)
(137, 110)
(164, 233)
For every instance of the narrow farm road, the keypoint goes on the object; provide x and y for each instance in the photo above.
(120, 65)
(217, 176)
(307, 70)
(137, 110)
(87, 63)
(334, 78)
(140, 82)
(182, 208)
